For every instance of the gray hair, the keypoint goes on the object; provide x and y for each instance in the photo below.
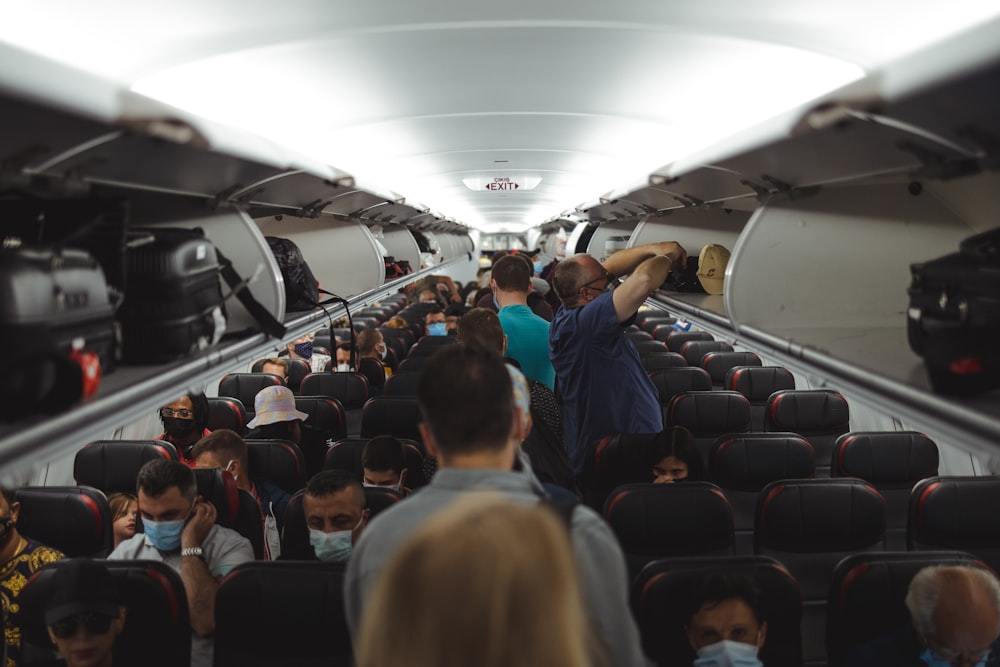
(925, 591)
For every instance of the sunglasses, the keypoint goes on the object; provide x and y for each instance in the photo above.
(93, 624)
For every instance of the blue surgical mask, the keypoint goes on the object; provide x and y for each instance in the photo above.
(496, 304)
(931, 658)
(165, 535)
(728, 653)
(538, 268)
(437, 329)
(304, 350)
(335, 546)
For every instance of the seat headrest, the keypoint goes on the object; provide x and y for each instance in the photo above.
(750, 462)
(113, 465)
(949, 512)
(887, 459)
(718, 363)
(808, 412)
(672, 381)
(391, 415)
(226, 412)
(710, 413)
(73, 519)
(218, 487)
(280, 461)
(695, 350)
(350, 389)
(757, 383)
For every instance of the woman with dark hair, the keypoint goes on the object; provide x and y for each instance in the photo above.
(676, 457)
(185, 422)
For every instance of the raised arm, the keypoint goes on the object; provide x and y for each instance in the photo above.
(648, 266)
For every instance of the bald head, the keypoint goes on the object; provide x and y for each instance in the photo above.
(955, 608)
(573, 273)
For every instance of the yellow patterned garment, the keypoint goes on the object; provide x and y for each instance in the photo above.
(13, 576)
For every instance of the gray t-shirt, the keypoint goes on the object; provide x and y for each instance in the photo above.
(223, 550)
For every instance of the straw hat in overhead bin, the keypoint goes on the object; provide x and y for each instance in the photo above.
(712, 268)
(273, 405)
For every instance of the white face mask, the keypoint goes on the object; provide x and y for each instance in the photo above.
(343, 368)
(382, 350)
(728, 653)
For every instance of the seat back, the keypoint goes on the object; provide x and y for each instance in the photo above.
(708, 415)
(616, 460)
(660, 595)
(391, 415)
(226, 412)
(428, 345)
(648, 319)
(654, 521)
(245, 386)
(892, 461)
(743, 464)
(868, 592)
(325, 413)
(678, 339)
(113, 465)
(672, 381)
(346, 455)
(820, 415)
(297, 368)
(299, 616)
(757, 383)
(955, 513)
(351, 389)
(295, 534)
(653, 361)
(279, 461)
(402, 384)
(650, 346)
(638, 336)
(76, 520)
(693, 351)
(810, 525)
(235, 508)
(718, 364)
(157, 630)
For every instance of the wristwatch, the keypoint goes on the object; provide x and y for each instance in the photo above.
(192, 551)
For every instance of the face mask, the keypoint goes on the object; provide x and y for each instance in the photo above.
(6, 529)
(436, 329)
(728, 653)
(932, 659)
(178, 428)
(165, 535)
(235, 476)
(496, 304)
(343, 368)
(335, 546)
(304, 350)
(538, 268)
(395, 487)
(383, 351)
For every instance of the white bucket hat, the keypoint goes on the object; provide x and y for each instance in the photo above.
(273, 405)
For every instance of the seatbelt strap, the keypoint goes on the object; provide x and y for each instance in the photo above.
(268, 323)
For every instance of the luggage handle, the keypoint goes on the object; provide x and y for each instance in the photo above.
(268, 323)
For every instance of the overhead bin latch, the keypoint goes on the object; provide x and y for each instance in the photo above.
(313, 209)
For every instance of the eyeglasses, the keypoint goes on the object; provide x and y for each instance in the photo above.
(610, 281)
(170, 412)
(93, 624)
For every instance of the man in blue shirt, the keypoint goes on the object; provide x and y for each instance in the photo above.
(527, 333)
(603, 386)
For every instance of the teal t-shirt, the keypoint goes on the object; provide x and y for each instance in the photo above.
(528, 343)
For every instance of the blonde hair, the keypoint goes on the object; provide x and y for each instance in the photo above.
(118, 502)
(487, 583)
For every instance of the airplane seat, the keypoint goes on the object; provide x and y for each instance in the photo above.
(868, 592)
(646, 347)
(638, 336)
(892, 461)
(411, 365)
(399, 339)
(662, 329)
(362, 323)
(718, 364)
(708, 415)
(341, 335)
(157, 629)
(678, 339)
(351, 389)
(278, 461)
(346, 455)
(428, 345)
(237, 509)
(113, 465)
(226, 412)
(672, 381)
(810, 525)
(325, 413)
(656, 360)
(297, 368)
(662, 591)
(402, 384)
(650, 316)
(379, 315)
(757, 383)
(820, 415)
(320, 339)
(653, 521)
(244, 386)
(76, 520)
(616, 460)
(295, 535)
(956, 513)
(299, 616)
(741, 465)
(694, 351)
(391, 415)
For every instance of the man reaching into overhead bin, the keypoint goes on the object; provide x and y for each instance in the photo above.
(599, 375)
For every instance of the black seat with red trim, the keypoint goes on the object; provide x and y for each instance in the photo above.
(709, 415)
(956, 513)
(615, 460)
(694, 351)
(718, 364)
(73, 519)
(678, 339)
(245, 386)
(757, 383)
(236, 508)
(227, 412)
(113, 465)
(392, 415)
(346, 454)
(672, 381)
(279, 461)
(820, 415)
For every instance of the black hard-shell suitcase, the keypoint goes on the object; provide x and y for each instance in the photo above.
(954, 316)
(61, 291)
(173, 299)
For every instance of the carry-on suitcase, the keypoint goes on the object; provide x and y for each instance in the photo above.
(173, 299)
(954, 316)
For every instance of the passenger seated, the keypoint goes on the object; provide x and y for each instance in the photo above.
(382, 463)
(345, 361)
(498, 585)
(396, 323)
(334, 506)
(185, 422)
(725, 626)
(676, 457)
(435, 322)
(20, 557)
(371, 351)
(181, 532)
(277, 366)
(955, 620)
(302, 348)
(226, 450)
(276, 418)
(452, 315)
(84, 614)
(124, 508)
